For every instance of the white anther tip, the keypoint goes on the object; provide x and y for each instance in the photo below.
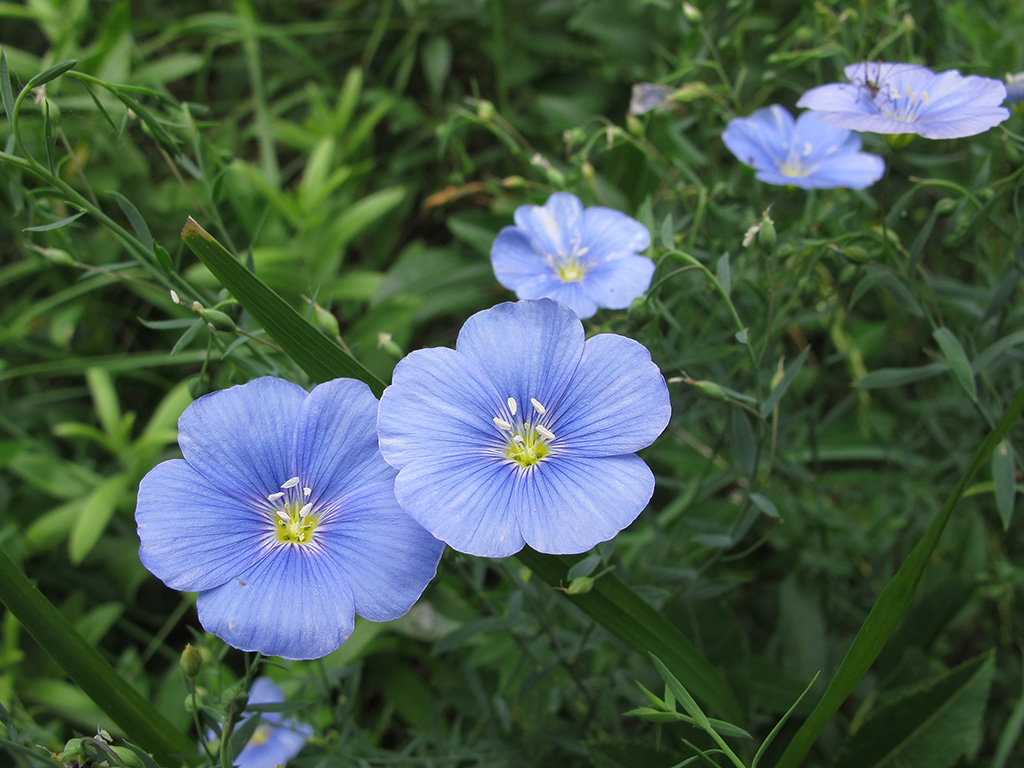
(545, 432)
(513, 406)
(290, 483)
(502, 424)
(537, 406)
(275, 496)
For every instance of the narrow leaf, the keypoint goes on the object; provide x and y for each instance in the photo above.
(668, 238)
(897, 377)
(1004, 473)
(724, 274)
(317, 355)
(682, 695)
(784, 382)
(50, 74)
(957, 359)
(782, 721)
(135, 219)
(95, 516)
(55, 224)
(5, 86)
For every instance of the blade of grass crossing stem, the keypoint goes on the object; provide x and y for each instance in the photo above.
(611, 603)
(317, 355)
(887, 611)
(90, 671)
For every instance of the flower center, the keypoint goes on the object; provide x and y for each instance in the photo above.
(570, 271)
(294, 521)
(527, 442)
(569, 268)
(905, 107)
(793, 166)
(259, 736)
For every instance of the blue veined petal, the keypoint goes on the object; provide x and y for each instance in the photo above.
(958, 123)
(440, 404)
(615, 284)
(570, 504)
(610, 234)
(467, 504)
(853, 171)
(517, 262)
(576, 296)
(336, 442)
(294, 603)
(528, 349)
(760, 140)
(617, 403)
(554, 227)
(388, 557)
(283, 743)
(194, 536)
(240, 439)
(821, 139)
(834, 97)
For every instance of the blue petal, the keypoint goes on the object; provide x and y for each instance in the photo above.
(294, 603)
(467, 504)
(575, 295)
(194, 537)
(388, 558)
(240, 439)
(854, 171)
(834, 97)
(616, 283)
(516, 262)
(762, 139)
(610, 234)
(554, 228)
(617, 402)
(336, 443)
(440, 405)
(528, 349)
(283, 743)
(568, 504)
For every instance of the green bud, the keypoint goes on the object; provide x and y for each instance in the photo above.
(899, 140)
(128, 758)
(56, 255)
(513, 182)
(946, 206)
(634, 126)
(485, 111)
(710, 389)
(580, 585)
(385, 342)
(327, 321)
(198, 386)
(73, 754)
(587, 170)
(766, 234)
(691, 13)
(217, 320)
(856, 253)
(640, 311)
(191, 661)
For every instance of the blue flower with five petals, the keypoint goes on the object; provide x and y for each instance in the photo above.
(806, 153)
(525, 433)
(885, 97)
(282, 516)
(586, 258)
(276, 740)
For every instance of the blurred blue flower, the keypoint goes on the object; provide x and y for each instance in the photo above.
(282, 516)
(806, 153)
(884, 97)
(585, 258)
(1014, 88)
(524, 433)
(646, 97)
(276, 740)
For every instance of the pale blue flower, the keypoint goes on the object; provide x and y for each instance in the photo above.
(805, 153)
(584, 258)
(1015, 88)
(276, 740)
(647, 97)
(282, 516)
(524, 433)
(883, 97)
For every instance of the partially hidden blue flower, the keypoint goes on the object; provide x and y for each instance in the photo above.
(883, 97)
(282, 516)
(647, 97)
(524, 433)
(276, 740)
(1014, 88)
(806, 152)
(586, 258)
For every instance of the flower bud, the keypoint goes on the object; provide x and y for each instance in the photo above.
(580, 585)
(710, 389)
(191, 661)
(485, 111)
(217, 320)
(640, 311)
(766, 235)
(327, 321)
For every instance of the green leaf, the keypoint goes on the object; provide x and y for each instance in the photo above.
(135, 219)
(95, 515)
(55, 224)
(681, 694)
(5, 86)
(897, 377)
(957, 359)
(584, 567)
(892, 604)
(784, 382)
(668, 238)
(928, 727)
(437, 63)
(50, 74)
(892, 285)
(782, 721)
(317, 355)
(724, 274)
(1004, 472)
(93, 674)
(104, 398)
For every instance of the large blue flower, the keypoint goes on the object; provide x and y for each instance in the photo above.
(276, 740)
(282, 516)
(585, 258)
(883, 97)
(524, 433)
(805, 153)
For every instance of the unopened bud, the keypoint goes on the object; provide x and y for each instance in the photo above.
(691, 13)
(580, 585)
(217, 320)
(640, 311)
(385, 342)
(191, 661)
(327, 321)
(485, 111)
(766, 235)
(710, 389)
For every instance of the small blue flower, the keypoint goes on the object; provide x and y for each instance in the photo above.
(276, 740)
(884, 97)
(806, 153)
(1014, 88)
(524, 433)
(282, 516)
(585, 258)
(647, 97)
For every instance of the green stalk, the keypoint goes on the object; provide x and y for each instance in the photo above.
(90, 671)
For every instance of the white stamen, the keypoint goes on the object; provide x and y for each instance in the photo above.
(305, 511)
(513, 406)
(925, 99)
(275, 496)
(290, 483)
(517, 439)
(283, 515)
(174, 297)
(306, 492)
(502, 424)
(583, 251)
(545, 432)
(537, 406)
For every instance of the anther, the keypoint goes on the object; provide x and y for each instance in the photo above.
(502, 424)
(290, 483)
(305, 510)
(537, 406)
(512, 406)
(306, 492)
(174, 297)
(283, 515)
(275, 496)
(545, 432)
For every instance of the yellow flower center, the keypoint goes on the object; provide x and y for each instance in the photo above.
(527, 443)
(294, 521)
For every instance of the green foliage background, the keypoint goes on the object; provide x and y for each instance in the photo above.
(360, 157)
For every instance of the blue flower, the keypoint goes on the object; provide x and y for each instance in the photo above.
(276, 741)
(1014, 88)
(806, 153)
(909, 98)
(282, 516)
(524, 433)
(585, 258)
(647, 97)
